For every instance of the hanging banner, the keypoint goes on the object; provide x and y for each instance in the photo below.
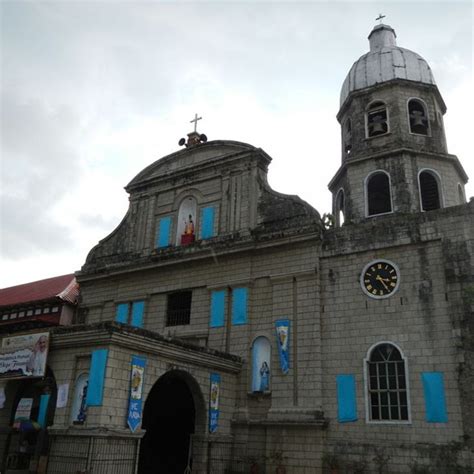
(282, 327)
(63, 393)
(24, 355)
(136, 389)
(214, 402)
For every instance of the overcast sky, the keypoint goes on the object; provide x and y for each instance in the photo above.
(92, 92)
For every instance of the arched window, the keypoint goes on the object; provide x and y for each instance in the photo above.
(430, 195)
(376, 119)
(185, 227)
(378, 194)
(261, 364)
(461, 195)
(418, 117)
(347, 136)
(386, 383)
(79, 407)
(339, 208)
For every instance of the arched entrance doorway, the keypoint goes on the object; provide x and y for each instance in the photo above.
(172, 412)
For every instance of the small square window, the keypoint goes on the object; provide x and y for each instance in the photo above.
(5, 316)
(179, 308)
(21, 314)
(130, 313)
(38, 311)
(55, 309)
(29, 312)
(46, 310)
(13, 315)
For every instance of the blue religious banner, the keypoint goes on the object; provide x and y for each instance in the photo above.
(214, 402)
(282, 327)
(136, 389)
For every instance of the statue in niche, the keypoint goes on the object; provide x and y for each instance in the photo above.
(188, 236)
(81, 416)
(264, 377)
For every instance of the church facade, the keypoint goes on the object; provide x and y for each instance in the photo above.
(225, 327)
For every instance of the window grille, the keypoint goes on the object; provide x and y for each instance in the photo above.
(179, 308)
(387, 387)
(429, 190)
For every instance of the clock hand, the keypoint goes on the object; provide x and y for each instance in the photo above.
(379, 278)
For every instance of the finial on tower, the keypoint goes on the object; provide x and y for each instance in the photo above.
(194, 138)
(380, 17)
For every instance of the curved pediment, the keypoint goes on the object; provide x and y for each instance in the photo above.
(188, 158)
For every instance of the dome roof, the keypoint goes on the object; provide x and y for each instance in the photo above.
(385, 61)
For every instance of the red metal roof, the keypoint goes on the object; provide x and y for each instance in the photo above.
(64, 287)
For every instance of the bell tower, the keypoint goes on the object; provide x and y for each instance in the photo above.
(394, 157)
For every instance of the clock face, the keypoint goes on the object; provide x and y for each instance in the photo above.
(380, 279)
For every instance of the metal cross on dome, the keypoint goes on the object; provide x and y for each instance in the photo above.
(380, 17)
(195, 120)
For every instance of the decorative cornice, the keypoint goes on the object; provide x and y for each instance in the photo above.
(398, 151)
(114, 334)
(181, 256)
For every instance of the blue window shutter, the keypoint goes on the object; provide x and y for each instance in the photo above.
(217, 309)
(346, 398)
(95, 390)
(137, 313)
(163, 234)
(435, 400)
(207, 223)
(239, 305)
(43, 410)
(122, 313)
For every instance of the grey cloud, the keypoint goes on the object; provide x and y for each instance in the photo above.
(27, 229)
(98, 221)
(39, 166)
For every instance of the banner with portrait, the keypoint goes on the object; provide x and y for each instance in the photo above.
(214, 402)
(24, 355)
(282, 327)
(136, 393)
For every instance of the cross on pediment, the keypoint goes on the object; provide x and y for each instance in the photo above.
(195, 120)
(380, 17)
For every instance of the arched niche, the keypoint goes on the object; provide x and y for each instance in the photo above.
(79, 407)
(187, 221)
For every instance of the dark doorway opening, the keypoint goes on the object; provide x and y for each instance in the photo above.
(27, 440)
(169, 420)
